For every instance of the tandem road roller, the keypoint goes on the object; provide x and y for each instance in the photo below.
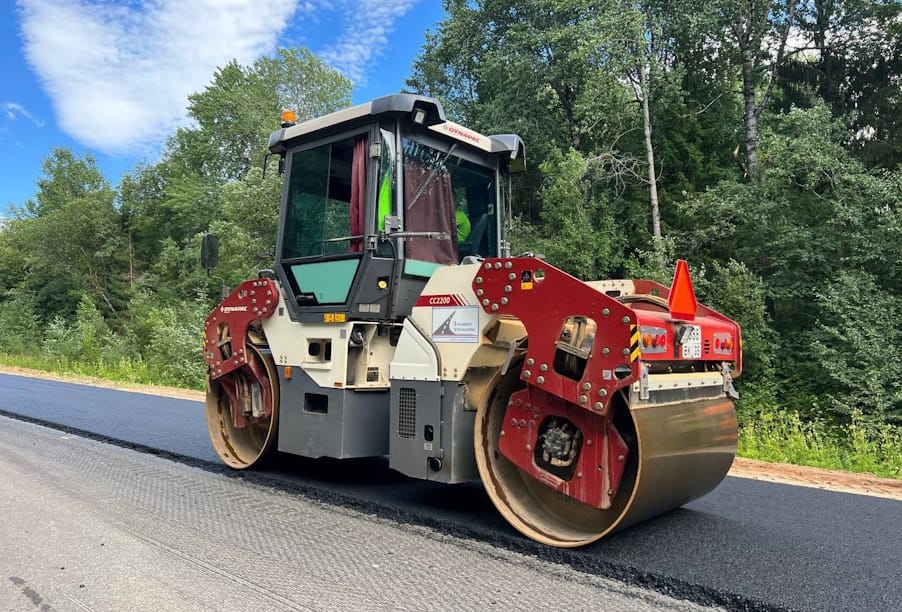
(396, 323)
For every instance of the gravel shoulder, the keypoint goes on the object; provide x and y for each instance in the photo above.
(828, 480)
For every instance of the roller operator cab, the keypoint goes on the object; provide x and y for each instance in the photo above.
(397, 323)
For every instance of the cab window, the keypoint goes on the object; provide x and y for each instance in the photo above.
(445, 193)
(326, 200)
(324, 220)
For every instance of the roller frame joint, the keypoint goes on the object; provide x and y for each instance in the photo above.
(542, 297)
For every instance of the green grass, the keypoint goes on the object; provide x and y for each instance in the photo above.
(780, 436)
(133, 371)
(858, 446)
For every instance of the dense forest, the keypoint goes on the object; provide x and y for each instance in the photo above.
(759, 140)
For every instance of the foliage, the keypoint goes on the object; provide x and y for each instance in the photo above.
(855, 316)
(818, 229)
(244, 246)
(20, 327)
(806, 257)
(176, 339)
(88, 340)
(570, 204)
(852, 60)
(160, 345)
(73, 213)
(732, 288)
(210, 178)
(572, 100)
(236, 112)
(66, 177)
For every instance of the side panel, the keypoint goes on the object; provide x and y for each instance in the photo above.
(335, 402)
(331, 353)
(415, 357)
(457, 437)
(431, 434)
(322, 422)
(364, 397)
(444, 365)
(448, 312)
(415, 429)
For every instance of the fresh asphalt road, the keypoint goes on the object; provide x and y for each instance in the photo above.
(91, 526)
(746, 545)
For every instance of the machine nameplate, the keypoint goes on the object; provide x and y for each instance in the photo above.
(455, 324)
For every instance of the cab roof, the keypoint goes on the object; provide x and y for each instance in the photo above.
(433, 117)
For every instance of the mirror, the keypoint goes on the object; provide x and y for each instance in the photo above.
(209, 251)
(281, 163)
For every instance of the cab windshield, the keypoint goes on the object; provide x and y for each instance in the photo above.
(444, 192)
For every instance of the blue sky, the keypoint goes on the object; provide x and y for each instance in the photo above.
(111, 77)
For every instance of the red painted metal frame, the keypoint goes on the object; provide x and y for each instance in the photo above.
(602, 458)
(253, 300)
(711, 322)
(543, 297)
(543, 306)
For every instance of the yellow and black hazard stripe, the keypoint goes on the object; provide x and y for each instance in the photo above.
(634, 343)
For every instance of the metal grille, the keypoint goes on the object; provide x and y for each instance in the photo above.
(407, 412)
(707, 346)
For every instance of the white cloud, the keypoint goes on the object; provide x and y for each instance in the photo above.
(119, 75)
(368, 26)
(13, 111)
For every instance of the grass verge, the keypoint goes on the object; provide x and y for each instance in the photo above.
(132, 371)
(858, 446)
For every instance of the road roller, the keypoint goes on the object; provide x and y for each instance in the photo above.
(397, 323)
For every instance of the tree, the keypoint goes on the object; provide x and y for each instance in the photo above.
(541, 68)
(579, 213)
(555, 72)
(757, 34)
(236, 112)
(68, 240)
(652, 45)
(851, 57)
(247, 224)
(815, 218)
(195, 185)
(65, 177)
(854, 311)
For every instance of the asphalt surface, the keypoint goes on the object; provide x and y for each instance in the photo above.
(747, 545)
(91, 526)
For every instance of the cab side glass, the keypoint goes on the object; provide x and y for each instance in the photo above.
(326, 192)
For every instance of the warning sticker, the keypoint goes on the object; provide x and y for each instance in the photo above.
(455, 324)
